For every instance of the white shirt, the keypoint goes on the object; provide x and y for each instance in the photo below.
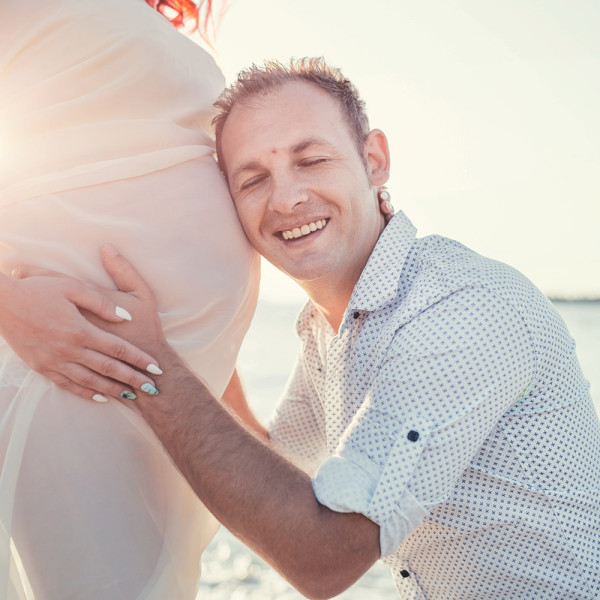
(451, 410)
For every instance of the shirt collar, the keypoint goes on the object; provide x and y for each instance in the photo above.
(384, 266)
(306, 318)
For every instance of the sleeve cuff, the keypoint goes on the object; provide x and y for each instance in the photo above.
(353, 483)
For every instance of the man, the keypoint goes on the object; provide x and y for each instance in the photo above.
(438, 404)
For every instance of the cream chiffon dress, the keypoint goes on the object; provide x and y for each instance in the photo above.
(104, 136)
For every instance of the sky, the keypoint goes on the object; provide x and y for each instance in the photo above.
(491, 110)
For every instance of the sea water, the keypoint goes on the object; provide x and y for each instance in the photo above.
(233, 572)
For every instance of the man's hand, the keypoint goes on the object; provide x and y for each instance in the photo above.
(136, 296)
(42, 319)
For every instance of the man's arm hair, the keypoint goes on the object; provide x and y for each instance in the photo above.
(259, 496)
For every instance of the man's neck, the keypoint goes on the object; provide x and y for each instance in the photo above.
(330, 300)
(331, 294)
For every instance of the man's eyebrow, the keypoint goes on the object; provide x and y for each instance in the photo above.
(307, 143)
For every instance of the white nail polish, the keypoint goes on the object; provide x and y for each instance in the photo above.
(99, 398)
(122, 313)
(154, 369)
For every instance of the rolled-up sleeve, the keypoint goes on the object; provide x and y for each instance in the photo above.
(449, 375)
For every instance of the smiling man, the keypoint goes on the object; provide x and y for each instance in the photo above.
(305, 189)
(437, 410)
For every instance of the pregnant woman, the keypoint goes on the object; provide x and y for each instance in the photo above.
(105, 116)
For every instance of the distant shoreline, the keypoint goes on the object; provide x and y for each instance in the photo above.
(570, 299)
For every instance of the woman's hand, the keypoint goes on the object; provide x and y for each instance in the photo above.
(42, 318)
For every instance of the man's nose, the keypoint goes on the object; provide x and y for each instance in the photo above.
(287, 193)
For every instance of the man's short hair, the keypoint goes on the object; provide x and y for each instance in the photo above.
(256, 81)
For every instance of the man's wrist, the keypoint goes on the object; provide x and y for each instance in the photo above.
(176, 385)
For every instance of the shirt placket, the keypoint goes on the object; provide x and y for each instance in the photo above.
(333, 404)
(339, 395)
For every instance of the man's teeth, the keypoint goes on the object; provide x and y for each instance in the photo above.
(304, 230)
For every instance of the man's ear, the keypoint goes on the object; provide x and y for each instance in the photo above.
(377, 155)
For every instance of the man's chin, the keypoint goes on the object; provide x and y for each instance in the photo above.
(305, 275)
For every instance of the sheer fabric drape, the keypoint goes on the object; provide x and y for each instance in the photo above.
(105, 136)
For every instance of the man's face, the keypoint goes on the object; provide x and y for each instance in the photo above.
(299, 184)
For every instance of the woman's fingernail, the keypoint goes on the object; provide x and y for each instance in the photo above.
(389, 207)
(154, 369)
(99, 398)
(122, 313)
(148, 388)
(127, 395)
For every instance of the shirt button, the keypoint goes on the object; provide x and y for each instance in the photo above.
(404, 574)
(356, 315)
(413, 435)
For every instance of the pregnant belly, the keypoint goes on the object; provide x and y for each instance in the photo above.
(178, 227)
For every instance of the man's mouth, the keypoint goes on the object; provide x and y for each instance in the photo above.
(306, 229)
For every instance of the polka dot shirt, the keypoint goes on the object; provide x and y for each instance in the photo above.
(451, 410)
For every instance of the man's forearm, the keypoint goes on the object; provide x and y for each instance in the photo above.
(258, 495)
